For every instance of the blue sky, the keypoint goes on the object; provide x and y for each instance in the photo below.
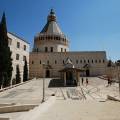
(91, 25)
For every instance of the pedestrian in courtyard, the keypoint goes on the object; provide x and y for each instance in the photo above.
(86, 81)
(109, 82)
(82, 80)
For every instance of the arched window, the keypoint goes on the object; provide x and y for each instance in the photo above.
(40, 61)
(80, 61)
(76, 61)
(103, 61)
(32, 62)
(99, 61)
(92, 61)
(48, 62)
(55, 62)
(63, 61)
(95, 61)
(88, 61)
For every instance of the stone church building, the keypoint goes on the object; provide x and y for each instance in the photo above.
(51, 50)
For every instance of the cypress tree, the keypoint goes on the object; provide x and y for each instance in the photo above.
(18, 79)
(25, 74)
(5, 55)
(109, 63)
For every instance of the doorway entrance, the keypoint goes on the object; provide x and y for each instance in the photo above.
(47, 73)
(87, 72)
(70, 78)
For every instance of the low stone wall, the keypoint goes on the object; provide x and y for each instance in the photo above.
(16, 108)
(4, 118)
(3, 89)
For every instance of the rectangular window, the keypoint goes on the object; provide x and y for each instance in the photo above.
(46, 49)
(51, 49)
(18, 44)
(10, 41)
(76, 61)
(25, 47)
(61, 49)
(24, 58)
(17, 56)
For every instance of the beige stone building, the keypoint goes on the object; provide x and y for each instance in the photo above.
(20, 52)
(51, 47)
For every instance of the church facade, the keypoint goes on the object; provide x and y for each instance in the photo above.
(51, 48)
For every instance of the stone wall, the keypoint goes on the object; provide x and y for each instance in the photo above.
(96, 61)
(13, 47)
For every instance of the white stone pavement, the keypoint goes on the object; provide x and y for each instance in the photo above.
(29, 93)
(65, 107)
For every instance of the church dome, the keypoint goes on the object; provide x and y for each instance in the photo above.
(51, 37)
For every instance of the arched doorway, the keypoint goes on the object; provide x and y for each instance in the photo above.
(87, 72)
(47, 73)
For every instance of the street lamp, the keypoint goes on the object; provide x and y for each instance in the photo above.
(119, 78)
(43, 98)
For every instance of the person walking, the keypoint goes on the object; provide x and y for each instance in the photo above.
(82, 80)
(86, 81)
(109, 82)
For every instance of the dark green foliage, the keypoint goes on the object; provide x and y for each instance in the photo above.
(13, 81)
(5, 55)
(18, 78)
(118, 63)
(25, 74)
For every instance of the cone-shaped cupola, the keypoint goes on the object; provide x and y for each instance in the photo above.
(51, 27)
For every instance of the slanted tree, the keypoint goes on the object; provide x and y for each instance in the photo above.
(25, 74)
(5, 55)
(109, 63)
(117, 63)
(18, 78)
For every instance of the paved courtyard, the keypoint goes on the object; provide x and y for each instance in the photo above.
(85, 102)
(29, 93)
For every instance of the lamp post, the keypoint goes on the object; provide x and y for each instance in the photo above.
(119, 78)
(43, 98)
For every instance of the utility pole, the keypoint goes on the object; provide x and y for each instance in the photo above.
(119, 78)
(43, 98)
